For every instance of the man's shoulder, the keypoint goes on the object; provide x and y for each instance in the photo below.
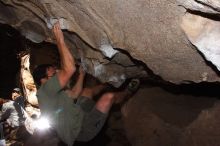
(8, 105)
(53, 81)
(51, 87)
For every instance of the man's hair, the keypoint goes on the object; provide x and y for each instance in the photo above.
(40, 72)
(18, 90)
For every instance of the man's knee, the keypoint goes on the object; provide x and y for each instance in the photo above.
(105, 102)
(107, 97)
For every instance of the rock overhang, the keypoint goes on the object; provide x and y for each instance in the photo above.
(153, 32)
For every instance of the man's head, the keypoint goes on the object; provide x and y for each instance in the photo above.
(43, 72)
(16, 92)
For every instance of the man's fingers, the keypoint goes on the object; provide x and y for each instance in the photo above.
(56, 26)
(81, 70)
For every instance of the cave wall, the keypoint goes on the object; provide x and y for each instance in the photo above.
(150, 31)
(167, 119)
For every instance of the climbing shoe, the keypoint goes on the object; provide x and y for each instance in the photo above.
(133, 85)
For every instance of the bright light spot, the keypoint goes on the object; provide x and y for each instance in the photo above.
(42, 124)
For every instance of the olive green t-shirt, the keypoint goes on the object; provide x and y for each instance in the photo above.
(64, 115)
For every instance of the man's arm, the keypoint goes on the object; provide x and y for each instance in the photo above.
(77, 88)
(5, 113)
(66, 58)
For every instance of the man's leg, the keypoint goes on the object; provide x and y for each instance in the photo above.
(2, 138)
(95, 119)
(105, 103)
(85, 100)
(93, 91)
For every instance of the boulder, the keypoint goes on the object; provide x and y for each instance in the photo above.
(153, 32)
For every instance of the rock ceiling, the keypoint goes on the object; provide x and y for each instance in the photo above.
(176, 40)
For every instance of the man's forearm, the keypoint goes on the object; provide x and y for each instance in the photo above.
(77, 88)
(66, 58)
(75, 91)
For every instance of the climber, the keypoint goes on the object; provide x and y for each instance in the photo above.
(80, 120)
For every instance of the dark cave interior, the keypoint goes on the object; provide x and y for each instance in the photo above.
(10, 46)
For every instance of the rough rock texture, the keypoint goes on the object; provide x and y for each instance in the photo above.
(28, 85)
(203, 30)
(149, 30)
(205, 6)
(170, 119)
